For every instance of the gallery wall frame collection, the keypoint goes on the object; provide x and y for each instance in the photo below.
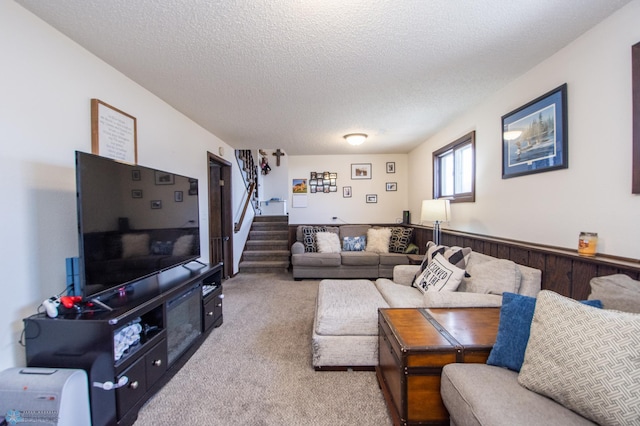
(535, 136)
(323, 182)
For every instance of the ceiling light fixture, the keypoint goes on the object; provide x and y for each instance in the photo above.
(355, 138)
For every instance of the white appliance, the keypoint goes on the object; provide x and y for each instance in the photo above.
(44, 396)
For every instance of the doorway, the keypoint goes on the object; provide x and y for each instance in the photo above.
(220, 214)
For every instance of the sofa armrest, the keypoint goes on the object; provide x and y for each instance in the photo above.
(461, 299)
(403, 274)
(297, 248)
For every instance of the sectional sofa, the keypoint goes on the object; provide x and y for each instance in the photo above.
(361, 261)
(345, 330)
(579, 364)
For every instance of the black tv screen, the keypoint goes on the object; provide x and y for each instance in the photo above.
(133, 222)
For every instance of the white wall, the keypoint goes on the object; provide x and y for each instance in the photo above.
(46, 83)
(322, 207)
(594, 193)
(274, 184)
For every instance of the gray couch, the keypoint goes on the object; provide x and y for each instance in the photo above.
(481, 394)
(346, 264)
(345, 330)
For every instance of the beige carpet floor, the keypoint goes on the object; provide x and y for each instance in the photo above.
(256, 368)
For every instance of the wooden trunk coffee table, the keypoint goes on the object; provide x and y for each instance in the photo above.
(414, 345)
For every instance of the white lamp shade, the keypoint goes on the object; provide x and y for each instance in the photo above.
(435, 211)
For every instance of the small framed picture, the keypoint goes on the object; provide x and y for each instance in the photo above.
(392, 186)
(333, 188)
(193, 186)
(299, 186)
(361, 171)
(313, 189)
(372, 198)
(391, 167)
(313, 176)
(346, 192)
(136, 193)
(156, 204)
(333, 176)
(163, 178)
(178, 196)
(135, 175)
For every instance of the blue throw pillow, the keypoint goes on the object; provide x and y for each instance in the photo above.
(516, 315)
(354, 243)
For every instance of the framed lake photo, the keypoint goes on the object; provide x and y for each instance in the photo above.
(535, 136)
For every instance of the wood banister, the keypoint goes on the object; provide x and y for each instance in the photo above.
(238, 224)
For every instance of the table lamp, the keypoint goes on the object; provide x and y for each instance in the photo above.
(435, 211)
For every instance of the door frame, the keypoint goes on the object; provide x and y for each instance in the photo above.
(225, 214)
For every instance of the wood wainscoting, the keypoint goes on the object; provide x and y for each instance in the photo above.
(563, 270)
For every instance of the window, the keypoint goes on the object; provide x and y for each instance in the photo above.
(454, 171)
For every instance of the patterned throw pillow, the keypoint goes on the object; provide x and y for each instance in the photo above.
(354, 243)
(309, 238)
(585, 359)
(400, 238)
(439, 275)
(457, 256)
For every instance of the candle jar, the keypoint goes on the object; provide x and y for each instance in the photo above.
(587, 243)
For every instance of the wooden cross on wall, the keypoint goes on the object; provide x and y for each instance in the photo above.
(278, 154)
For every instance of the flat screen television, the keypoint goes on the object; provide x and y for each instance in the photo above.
(133, 222)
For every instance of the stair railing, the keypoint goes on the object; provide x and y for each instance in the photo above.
(238, 225)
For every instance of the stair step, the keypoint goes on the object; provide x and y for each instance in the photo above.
(266, 255)
(262, 267)
(275, 218)
(268, 235)
(266, 245)
(269, 226)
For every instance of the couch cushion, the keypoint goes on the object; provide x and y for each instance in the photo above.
(348, 307)
(316, 259)
(479, 394)
(400, 238)
(378, 240)
(439, 275)
(393, 259)
(584, 358)
(618, 291)
(493, 277)
(516, 314)
(359, 258)
(399, 296)
(354, 243)
(328, 242)
(353, 230)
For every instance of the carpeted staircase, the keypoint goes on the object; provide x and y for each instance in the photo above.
(267, 248)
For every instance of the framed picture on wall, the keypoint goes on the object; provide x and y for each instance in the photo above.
(392, 186)
(534, 136)
(346, 192)
(391, 167)
(372, 198)
(361, 171)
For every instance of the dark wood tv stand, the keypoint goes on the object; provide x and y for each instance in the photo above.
(161, 305)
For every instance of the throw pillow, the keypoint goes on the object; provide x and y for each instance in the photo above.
(494, 277)
(328, 242)
(354, 243)
(378, 240)
(457, 256)
(400, 238)
(309, 239)
(516, 314)
(440, 275)
(585, 359)
(183, 245)
(412, 249)
(135, 245)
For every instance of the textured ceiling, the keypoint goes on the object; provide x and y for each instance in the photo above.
(299, 74)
